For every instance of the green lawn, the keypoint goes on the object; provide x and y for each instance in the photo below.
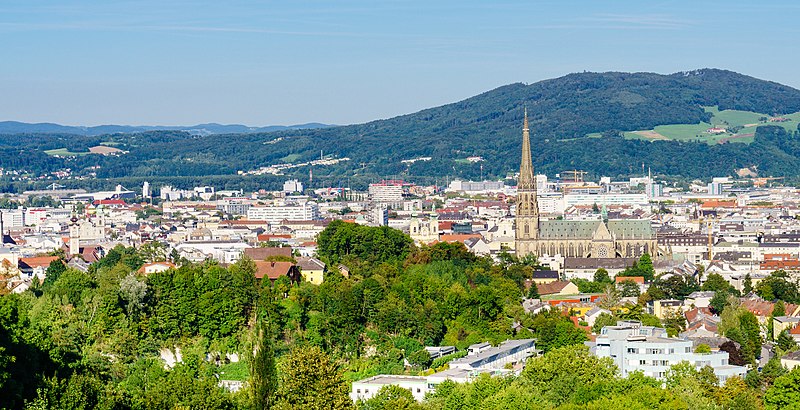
(64, 152)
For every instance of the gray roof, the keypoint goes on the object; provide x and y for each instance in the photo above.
(621, 228)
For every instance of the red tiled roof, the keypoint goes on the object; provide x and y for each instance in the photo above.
(461, 237)
(35, 262)
(109, 202)
(260, 254)
(552, 287)
(637, 279)
(272, 270)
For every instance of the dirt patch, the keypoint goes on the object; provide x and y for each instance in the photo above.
(651, 135)
(104, 150)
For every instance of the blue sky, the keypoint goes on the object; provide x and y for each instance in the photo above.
(285, 62)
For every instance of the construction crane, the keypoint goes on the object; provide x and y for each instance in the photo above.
(577, 176)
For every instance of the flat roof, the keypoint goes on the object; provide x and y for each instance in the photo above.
(393, 379)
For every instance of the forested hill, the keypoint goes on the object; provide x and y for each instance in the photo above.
(563, 112)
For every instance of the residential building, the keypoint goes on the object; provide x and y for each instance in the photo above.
(634, 347)
(305, 211)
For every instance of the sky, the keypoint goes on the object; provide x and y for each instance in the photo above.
(170, 62)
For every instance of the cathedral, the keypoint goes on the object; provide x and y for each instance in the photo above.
(623, 238)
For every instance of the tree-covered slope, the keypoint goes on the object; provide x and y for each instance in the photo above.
(562, 112)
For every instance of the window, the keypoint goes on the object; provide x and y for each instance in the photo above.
(358, 391)
(642, 362)
(418, 390)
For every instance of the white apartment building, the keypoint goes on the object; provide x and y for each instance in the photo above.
(305, 211)
(481, 358)
(386, 192)
(634, 347)
(292, 186)
(13, 218)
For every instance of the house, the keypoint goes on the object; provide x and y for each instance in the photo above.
(791, 360)
(535, 306)
(701, 323)
(541, 277)
(155, 267)
(591, 316)
(36, 266)
(634, 347)
(699, 299)
(368, 388)
(558, 288)
(662, 308)
(781, 323)
(261, 254)
(311, 269)
(274, 270)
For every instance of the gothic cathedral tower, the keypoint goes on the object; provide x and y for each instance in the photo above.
(527, 218)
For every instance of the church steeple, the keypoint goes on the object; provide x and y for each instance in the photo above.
(527, 218)
(526, 179)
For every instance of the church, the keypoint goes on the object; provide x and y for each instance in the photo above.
(622, 238)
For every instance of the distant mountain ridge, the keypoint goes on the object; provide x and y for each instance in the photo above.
(16, 127)
(577, 122)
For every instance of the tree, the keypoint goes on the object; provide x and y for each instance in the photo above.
(54, 271)
(391, 397)
(533, 292)
(310, 380)
(609, 299)
(778, 309)
(785, 393)
(778, 286)
(601, 276)
(734, 353)
(785, 342)
(564, 372)
(747, 287)
(263, 373)
(133, 293)
(718, 302)
(629, 288)
(716, 283)
(603, 320)
(553, 330)
(702, 348)
(645, 266)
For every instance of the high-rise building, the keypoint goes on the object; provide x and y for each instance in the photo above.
(146, 190)
(291, 186)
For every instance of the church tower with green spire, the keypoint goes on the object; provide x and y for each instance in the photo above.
(527, 218)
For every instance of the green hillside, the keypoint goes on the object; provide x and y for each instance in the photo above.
(563, 111)
(739, 126)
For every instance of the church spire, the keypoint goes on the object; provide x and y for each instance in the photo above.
(527, 217)
(526, 179)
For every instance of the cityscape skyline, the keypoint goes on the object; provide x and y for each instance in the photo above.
(183, 63)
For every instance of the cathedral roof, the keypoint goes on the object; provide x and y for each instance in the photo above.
(620, 228)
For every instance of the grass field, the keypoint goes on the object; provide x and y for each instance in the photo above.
(291, 158)
(64, 152)
(748, 121)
